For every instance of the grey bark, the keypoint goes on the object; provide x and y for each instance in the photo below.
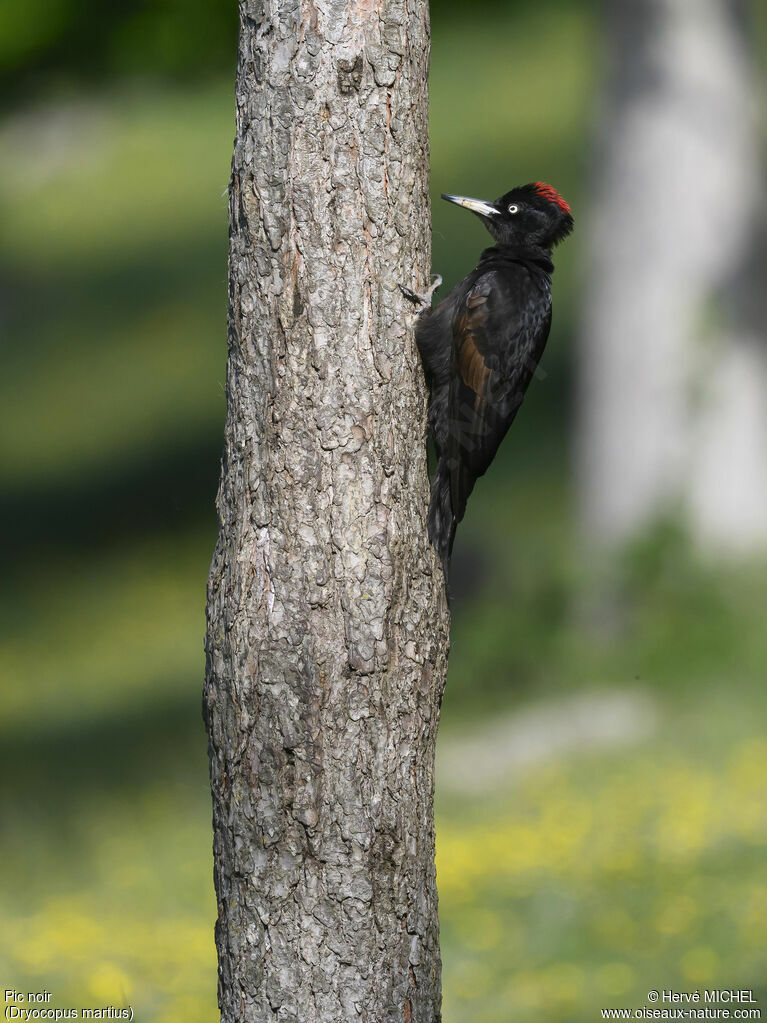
(327, 620)
(673, 378)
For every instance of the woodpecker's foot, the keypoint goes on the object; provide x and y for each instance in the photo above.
(418, 299)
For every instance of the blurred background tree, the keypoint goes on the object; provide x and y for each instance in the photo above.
(675, 295)
(573, 873)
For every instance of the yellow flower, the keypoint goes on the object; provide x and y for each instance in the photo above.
(699, 965)
(615, 978)
(675, 915)
(108, 984)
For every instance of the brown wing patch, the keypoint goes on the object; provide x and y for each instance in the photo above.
(471, 364)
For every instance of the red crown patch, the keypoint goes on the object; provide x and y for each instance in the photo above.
(552, 195)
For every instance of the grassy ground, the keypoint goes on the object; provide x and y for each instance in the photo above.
(587, 880)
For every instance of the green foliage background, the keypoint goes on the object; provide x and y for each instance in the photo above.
(580, 883)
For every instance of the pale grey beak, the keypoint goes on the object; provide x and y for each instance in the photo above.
(484, 209)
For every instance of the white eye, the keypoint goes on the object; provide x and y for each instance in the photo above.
(513, 208)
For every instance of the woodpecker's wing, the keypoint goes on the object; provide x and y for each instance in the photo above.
(500, 329)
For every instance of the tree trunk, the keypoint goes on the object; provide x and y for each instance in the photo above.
(673, 375)
(327, 621)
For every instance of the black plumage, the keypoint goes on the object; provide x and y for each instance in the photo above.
(481, 344)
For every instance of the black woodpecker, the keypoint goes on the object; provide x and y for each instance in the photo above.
(482, 343)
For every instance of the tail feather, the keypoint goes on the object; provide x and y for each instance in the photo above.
(442, 523)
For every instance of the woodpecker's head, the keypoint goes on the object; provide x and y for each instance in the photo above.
(533, 214)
